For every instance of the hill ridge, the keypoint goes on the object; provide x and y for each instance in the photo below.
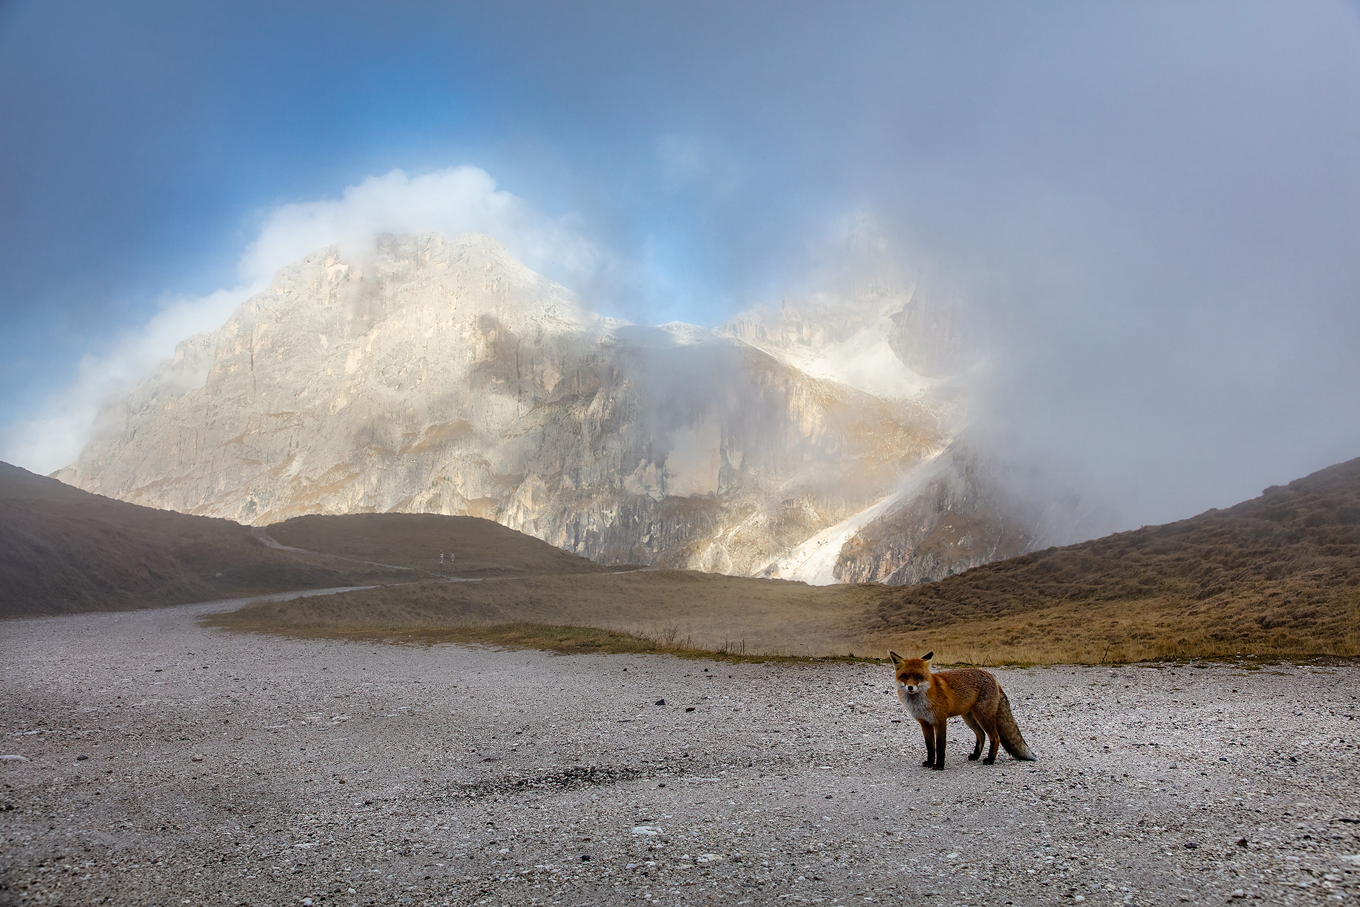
(65, 550)
(1275, 569)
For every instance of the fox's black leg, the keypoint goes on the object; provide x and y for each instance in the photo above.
(940, 730)
(992, 732)
(929, 733)
(977, 731)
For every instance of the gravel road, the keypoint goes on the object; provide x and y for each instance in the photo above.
(150, 761)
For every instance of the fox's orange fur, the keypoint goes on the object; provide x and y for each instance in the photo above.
(934, 698)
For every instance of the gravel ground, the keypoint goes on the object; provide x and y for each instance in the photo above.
(167, 764)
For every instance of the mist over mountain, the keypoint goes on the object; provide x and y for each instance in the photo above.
(817, 441)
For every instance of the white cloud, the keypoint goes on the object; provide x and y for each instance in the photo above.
(55, 438)
(453, 201)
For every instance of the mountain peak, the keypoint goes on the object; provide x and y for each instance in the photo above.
(441, 375)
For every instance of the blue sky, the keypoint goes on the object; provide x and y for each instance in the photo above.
(1158, 204)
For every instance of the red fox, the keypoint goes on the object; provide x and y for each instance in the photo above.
(933, 699)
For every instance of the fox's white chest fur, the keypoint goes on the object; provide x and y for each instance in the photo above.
(916, 703)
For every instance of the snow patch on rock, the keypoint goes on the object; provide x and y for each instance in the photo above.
(814, 561)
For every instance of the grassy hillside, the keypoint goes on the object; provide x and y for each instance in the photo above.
(480, 547)
(671, 607)
(63, 550)
(1276, 574)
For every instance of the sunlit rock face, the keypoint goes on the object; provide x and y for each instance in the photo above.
(959, 517)
(445, 377)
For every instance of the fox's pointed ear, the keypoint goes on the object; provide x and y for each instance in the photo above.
(896, 659)
(928, 656)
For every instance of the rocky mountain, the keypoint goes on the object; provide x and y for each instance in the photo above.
(445, 377)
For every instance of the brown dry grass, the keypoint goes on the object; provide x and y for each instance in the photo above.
(671, 608)
(1276, 576)
(1124, 631)
(563, 640)
(63, 550)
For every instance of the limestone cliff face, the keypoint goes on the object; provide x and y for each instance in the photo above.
(959, 519)
(445, 377)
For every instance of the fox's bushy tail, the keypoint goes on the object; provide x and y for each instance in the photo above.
(1009, 732)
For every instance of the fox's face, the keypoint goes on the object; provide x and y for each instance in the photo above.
(912, 674)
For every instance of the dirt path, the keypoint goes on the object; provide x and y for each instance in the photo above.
(269, 541)
(229, 770)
